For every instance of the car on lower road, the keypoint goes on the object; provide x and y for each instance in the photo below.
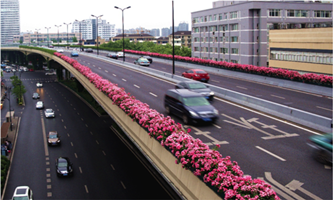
(198, 87)
(142, 61)
(74, 54)
(60, 50)
(192, 107)
(53, 138)
(22, 193)
(49, 112)
(112, 55)
(89, 50)
(35, 95)
(50, 73)
(39, 84)
(321, 147)
(197, 74)
(63, 166)
(148, 58)
(120, 54)
(39, 105)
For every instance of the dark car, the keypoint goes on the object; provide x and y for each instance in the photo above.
(35, 95)
(64, 166)
(196, 74)
(192, 107)
(322, 147)
(112, 55)
(89, 50)
(198, 87)
(150, 59)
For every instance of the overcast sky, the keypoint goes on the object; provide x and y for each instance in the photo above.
(149, 14)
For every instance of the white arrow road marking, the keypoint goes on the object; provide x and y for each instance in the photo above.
(206, 134)
(296, 185)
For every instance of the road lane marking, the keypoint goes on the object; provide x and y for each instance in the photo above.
(48, 175)
(124, 80)
(112, 167)
(216, 126)
(75, 155)
(122, 184)
(65, 127)
(324, 108)
(114, 75)
(86, 125)
(82, 119)
(46, 150)
(85, 186)
(91, 133)
(59, 114)
(72, 144)
(277, 96)
(97, 142)
(99, 68)
(49, 194)
(106, 71)
(48, 186)
(296, 185)
(78, 113)
(68, 135)
(104, 153)
(242, 87)
(152, 94)
(215, 81)
(48, 169)
(48, 180)
(136, 86)
(80, 170)
(270, 153)
(62, 120)
(47, 163)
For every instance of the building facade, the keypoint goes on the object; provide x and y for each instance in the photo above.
(182, 38)
(10, 20)
(155, 32)
(135, 37)
(302, 50)
(43, 37)
(238, 31)
(88, 29)
(165, 32)
(183, 26)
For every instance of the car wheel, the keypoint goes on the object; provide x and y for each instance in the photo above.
(192, 77)
(167, 110)
(320, 156)
(185, 119)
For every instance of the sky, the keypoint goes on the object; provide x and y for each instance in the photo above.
(149, 14)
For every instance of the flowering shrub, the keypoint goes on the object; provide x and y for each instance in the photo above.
(221, 173)
(267, 71)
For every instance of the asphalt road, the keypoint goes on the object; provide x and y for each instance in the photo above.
(317, 104)
(104, 168)
(264, 146)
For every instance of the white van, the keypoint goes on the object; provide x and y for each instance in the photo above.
(120, 54)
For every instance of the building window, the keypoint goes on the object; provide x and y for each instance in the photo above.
(234, 39)
(224, 50)
(234, 27)
(225, 15)
(205, 19)
(234, 61)
(233, 15)
(323, 13)
(274, 12)
(297, 13)
(220, 16)
(210, 18)
(196, 48)
(206, 49)
(215, 17)
(234, 51)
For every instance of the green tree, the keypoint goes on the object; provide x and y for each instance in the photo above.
(21, 41)
(18, 89)
(74, 39)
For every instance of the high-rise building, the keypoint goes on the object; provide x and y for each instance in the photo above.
(176, 29)
(88, 29)
(238, 31)
(183, 26)
(165, 32)
(155, 32)
(10, 20)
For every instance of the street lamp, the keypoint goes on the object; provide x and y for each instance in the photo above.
(58, 32)
(48, 36)
(80, 31)
(29, 36)
(173, 41)
(37, 36)
(122, 10)
(10, 112)
(67, 30)
(97, 28)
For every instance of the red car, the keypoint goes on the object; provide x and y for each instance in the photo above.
(196, 74)
(31, 70)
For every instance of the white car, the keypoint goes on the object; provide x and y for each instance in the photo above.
(38, 84)
(22, 192)
(49, 113)
(120, 54)
(39, 105)
(50, 73)
(60, 51)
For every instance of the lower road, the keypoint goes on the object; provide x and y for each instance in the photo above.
(104, 168)
(264, 146)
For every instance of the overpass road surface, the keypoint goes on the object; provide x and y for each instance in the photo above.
(104, 168)
(265, 147)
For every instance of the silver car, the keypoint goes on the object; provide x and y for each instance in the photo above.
(39, 105)
(49, 113)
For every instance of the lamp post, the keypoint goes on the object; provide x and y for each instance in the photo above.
(80, 32)
(29, 36)
(58, 32)
(122, 10)
(37, 36)
(48, 36)
(173, 41)
(97, 28)
(10, 112)
(67, 30)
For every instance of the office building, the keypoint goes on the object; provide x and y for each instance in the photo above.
(182, 38)
(238, 31)
(10, 20)
(88, 29)
(43, 37)
(155, 32)
(165, 32)
(183, 26)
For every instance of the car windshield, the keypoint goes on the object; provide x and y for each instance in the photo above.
(49, 111)
(196, 86)
(195, 101)
(62, 163)
(39, 103)
(53, 136)
(143, 60)
(20, 198)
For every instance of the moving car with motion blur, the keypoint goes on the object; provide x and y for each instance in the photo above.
(89, 50)
(53, 138)
(321, 147)
(38, 84)
(120, 54)
(192, 107)
(74, 54)
(35, 95)
(198, 87)
(60, 50)
(39, 105)
(112, 55)
(49, 112)
(197, 74)
(142, 61)
(22, 193)
(148, 58)
(64, 167)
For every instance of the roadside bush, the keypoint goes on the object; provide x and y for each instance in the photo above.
(4, 170)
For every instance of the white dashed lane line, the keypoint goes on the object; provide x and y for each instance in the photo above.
(124, 80)
(114, 75)
(106, 71)
(136, 86)
(85, 186)
(277, 96)
(244, 88)
(152, 94)
(215, 81)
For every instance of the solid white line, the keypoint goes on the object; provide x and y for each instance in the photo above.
(153, 94)
(276, 119)
(277, 96)
(324, 108)
(264, 150)
(44, 138)
(136, 86)
(242, 87)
